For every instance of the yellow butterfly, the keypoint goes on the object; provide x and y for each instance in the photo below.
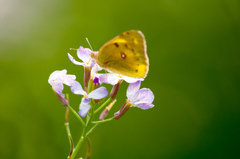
(125, 55)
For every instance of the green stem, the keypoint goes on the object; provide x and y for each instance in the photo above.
(90, 84)
(68, 132)
(89, 150)
(91, 129)
(102, 121)
(103, 105)
(75, 151)
(83, 136)
(76, 114)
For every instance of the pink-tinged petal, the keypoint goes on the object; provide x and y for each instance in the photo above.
(109, 78)
(57, 76)
(69, 79)
(98, 93)
(84, 54)
(95, 69)
(74, 61)
(144, 105)
(131, 79)
(144, 95)
(76, 88)
(84, 108)
(86, 100)
(133, 88)
(89, 63)
(61, 97)
(58, 88)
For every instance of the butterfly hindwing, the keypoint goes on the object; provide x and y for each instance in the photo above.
(125, 55)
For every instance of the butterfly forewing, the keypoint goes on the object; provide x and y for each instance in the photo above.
(125, 55)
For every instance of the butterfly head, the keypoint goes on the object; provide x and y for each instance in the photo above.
(94, 55)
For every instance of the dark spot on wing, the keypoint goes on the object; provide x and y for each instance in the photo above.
(123, 55)
(127, 33)
(126, 45)
(137, 59)
(136, 70)
(116, 44)
(132, 50)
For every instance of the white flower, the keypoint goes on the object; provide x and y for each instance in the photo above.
(84, 55)
(112, 78)
(58, 78)
(84, 107)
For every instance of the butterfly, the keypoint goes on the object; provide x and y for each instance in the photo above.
(125, 55)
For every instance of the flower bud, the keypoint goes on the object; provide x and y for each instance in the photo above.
(61, 98)
(115, 88)
(96, 85)
(106, 110)
(122, 111)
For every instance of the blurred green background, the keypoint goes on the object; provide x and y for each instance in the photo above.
(193, 47)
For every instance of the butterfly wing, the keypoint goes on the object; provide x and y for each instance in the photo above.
(125, 55)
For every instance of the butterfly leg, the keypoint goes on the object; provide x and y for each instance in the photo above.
(105, 68)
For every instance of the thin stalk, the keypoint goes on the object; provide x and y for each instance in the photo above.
(103, 105)
(89, 150)
(68, 132)
(83, 136)
(91, 129)
(102, 121)
(76, 114)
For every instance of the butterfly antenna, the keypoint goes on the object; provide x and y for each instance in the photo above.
(89, 44)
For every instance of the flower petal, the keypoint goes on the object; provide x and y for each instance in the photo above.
(58, 88)
(74, 61)
(144, 105)
(95, 69)
(86, 100)
(57, 79)
(57, 76)
(83, 108)
(98, 93)
(131, 79)
(69, 79)
(109, 78)
(133, 88)
(76, 88)
(84, 54)
(144, 95)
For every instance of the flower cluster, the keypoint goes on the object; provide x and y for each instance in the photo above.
(93, 93)
(142, 98)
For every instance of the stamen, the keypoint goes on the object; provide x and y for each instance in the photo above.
(120, 76)
(129, 101)
(89, 62)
